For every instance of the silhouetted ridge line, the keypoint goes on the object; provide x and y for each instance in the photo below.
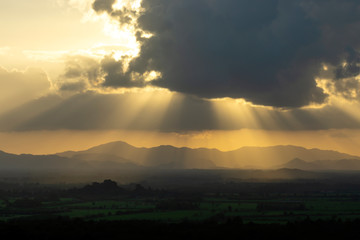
(121, 155)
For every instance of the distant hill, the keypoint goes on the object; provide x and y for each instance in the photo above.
(339, 165)
(38, 162)
(162, 156)
(298, 163)
(202, 158)
(120, 155)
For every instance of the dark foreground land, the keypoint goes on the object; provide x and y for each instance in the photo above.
(185, 205)
(234, 229)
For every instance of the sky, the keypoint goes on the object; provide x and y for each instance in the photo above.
(198, 73)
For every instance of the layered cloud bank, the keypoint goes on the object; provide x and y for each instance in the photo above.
(266, 52)
(168, 112)
(201, 65)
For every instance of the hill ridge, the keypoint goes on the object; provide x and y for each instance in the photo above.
(168, 156)
(244, 157)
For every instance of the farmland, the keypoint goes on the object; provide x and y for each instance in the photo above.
(109, 202)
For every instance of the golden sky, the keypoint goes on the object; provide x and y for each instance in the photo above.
(78, 73)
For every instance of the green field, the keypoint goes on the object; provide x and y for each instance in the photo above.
(273, 210)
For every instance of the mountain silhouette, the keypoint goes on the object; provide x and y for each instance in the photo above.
(38, 162)
(339, 165)
(120, 155)
(172, 157)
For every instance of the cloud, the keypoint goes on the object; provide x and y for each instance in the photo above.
(94, 111)
(167, 112)
(103, 5)
(343, 80)
(267, 52)
(17, 87)
(117, 76)
(80, 74)
(73, 86)
(350, 67)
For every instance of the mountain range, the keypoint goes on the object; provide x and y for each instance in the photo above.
(120, 155)
(341, 165)
(173, 157)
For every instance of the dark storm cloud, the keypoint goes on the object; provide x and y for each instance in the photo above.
(83, 67)
(350, 67)
(124, 16)
(82, 72)
(344, 81)
(79, 74)
(347, 88)
(267, 52)
(103, 5)
(73, 86)
(115, 76)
